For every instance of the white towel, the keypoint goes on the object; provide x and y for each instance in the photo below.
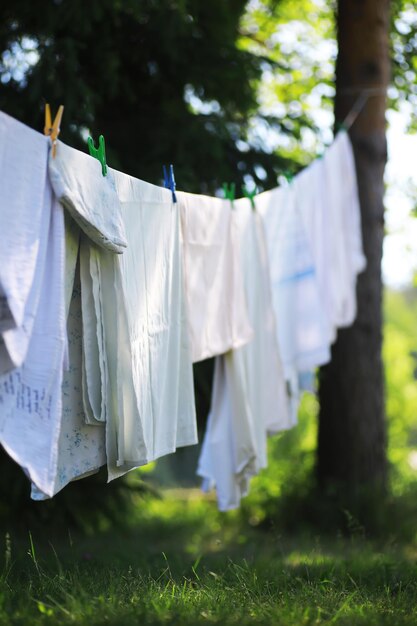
(216, 306)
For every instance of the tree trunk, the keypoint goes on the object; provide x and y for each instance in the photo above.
(352, 434)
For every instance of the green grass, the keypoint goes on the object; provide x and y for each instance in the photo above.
(181, 562)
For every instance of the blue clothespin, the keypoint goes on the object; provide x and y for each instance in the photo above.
(169, 180)
(98, 153)
(229, 192)
(251, 196)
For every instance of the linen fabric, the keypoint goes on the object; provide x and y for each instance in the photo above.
(30, 396)
(90, 197)
(25, 209)
(149, 281)
(216, 307)
(249, 397)
(81, 447)
(302, 324)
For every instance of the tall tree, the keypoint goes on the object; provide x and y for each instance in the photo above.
(352, 439)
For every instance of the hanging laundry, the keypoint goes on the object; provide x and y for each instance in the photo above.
(81, 447)
(216, 306)
(324, 236)
(136, 363)
(30, 395)
(150, 282)
(25, 210)
(342, 193)
(249, 393)
(302, 324)
(329, 205)
(89, 197)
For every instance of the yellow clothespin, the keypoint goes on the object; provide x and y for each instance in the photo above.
(52, 129)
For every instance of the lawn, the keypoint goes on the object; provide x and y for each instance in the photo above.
(181, 562)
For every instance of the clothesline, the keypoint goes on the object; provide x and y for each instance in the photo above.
(110, 292)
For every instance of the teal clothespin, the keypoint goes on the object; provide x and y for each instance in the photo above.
(251, 196)
(229, 192)
(98, 153)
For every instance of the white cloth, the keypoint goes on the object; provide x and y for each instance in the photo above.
(89, 196)
(327, 198)
(25, 206)
(223, 464)
(30, 396)
(81, 447)
(302, 322)
(302, 325)
(341, 201)
(325, 237)
(249, 397)
(149, 281)
(136, 370)
(216, 306)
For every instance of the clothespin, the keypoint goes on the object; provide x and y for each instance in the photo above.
(287, 175)
(251, 196)
(169, 180)
(52, 129)
(98, 153)
(339, 126)
(229, 192)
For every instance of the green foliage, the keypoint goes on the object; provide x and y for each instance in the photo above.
(162, 81)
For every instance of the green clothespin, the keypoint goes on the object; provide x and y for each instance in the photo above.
(339, 126)
(98, 153)
(229, 192)
(288, 176)
(251, 196)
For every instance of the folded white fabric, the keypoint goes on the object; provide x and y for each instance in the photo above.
(30, 396)
(89, 196)
(302, 324)
(25, 206)
(216, 306)
(249, 398)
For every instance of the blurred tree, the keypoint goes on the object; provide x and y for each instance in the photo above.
(163, 81)
(352, 440)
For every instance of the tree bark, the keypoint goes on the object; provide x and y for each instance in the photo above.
(352, 433)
